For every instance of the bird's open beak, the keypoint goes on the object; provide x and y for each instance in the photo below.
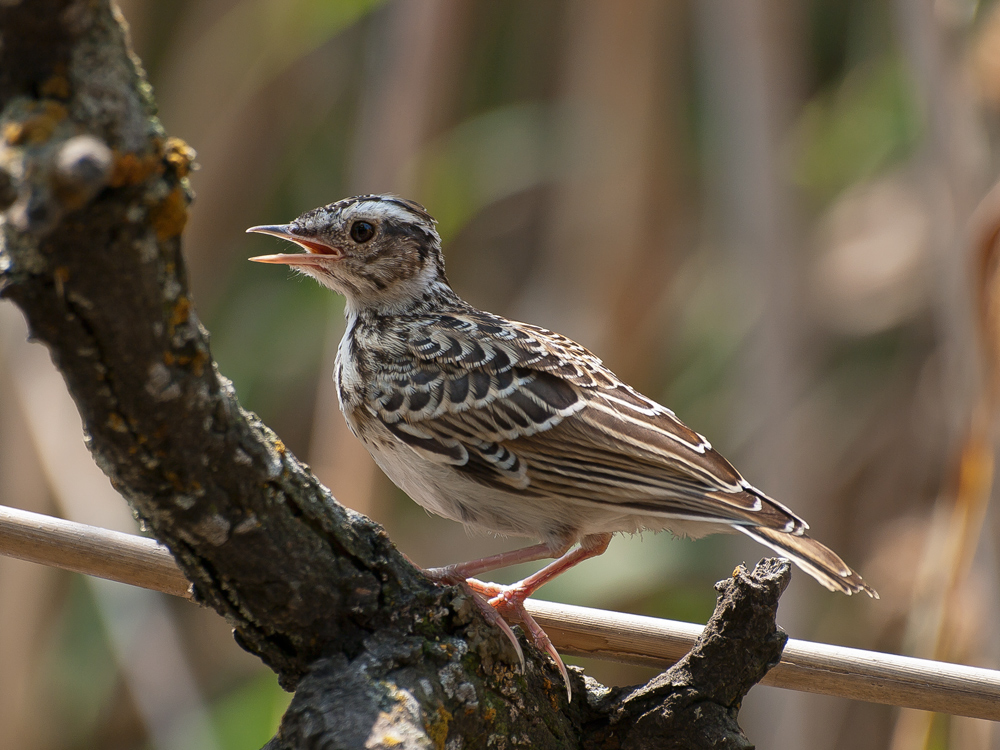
(314, 251)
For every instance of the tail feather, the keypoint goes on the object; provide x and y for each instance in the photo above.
(817, 560)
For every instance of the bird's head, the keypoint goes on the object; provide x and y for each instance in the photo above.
(379, 251)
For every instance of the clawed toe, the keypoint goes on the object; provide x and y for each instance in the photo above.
(492, 616)
(501, 603)
(508, 601)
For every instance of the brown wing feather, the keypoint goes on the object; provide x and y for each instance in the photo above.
(516, 407)
(573, 459)
(818, 560)
(513, 405)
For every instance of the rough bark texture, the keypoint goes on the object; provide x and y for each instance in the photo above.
(94, 200)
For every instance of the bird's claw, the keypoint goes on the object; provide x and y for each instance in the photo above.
(492, 615)
(508, 602)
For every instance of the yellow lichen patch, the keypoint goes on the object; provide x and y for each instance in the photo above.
(132, 169)
(279, 446)
(12, 132)
(36, 127)
(554, 697)
(178, 155)
(437, 728)
(198, 363)
(169, 216)
(175, 481)
(56, 86)
(180, 313)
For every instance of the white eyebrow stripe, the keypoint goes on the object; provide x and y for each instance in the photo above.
(381, 209)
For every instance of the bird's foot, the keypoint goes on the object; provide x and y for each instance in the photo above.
(492, 616)
(508, 602)
(498, 602)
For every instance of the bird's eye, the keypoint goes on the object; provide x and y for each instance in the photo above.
(362, 231)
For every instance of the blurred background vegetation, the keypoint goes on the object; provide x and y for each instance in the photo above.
(762, 213)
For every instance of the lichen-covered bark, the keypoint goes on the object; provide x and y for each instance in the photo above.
(695, 703)
(94, 200)
(384, 696)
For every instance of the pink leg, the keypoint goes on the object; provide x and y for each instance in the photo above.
(509, 600)
(591, 546)
(461, 571)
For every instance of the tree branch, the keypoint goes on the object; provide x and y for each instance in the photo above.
(95, 198)
(103, 286)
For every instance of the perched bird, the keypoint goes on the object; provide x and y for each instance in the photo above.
(511, 428)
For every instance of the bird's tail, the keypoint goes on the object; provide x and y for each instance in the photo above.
(819, 561)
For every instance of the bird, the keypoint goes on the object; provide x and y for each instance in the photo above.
(508, 427)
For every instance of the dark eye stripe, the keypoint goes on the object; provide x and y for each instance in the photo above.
(418, 234)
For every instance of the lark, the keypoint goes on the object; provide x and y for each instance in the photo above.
(510, 428)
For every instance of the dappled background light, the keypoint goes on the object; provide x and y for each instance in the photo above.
(762, 214)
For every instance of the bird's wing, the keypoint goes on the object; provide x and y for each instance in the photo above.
(516, 406)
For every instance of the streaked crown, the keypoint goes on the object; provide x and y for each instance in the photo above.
(377, 250)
